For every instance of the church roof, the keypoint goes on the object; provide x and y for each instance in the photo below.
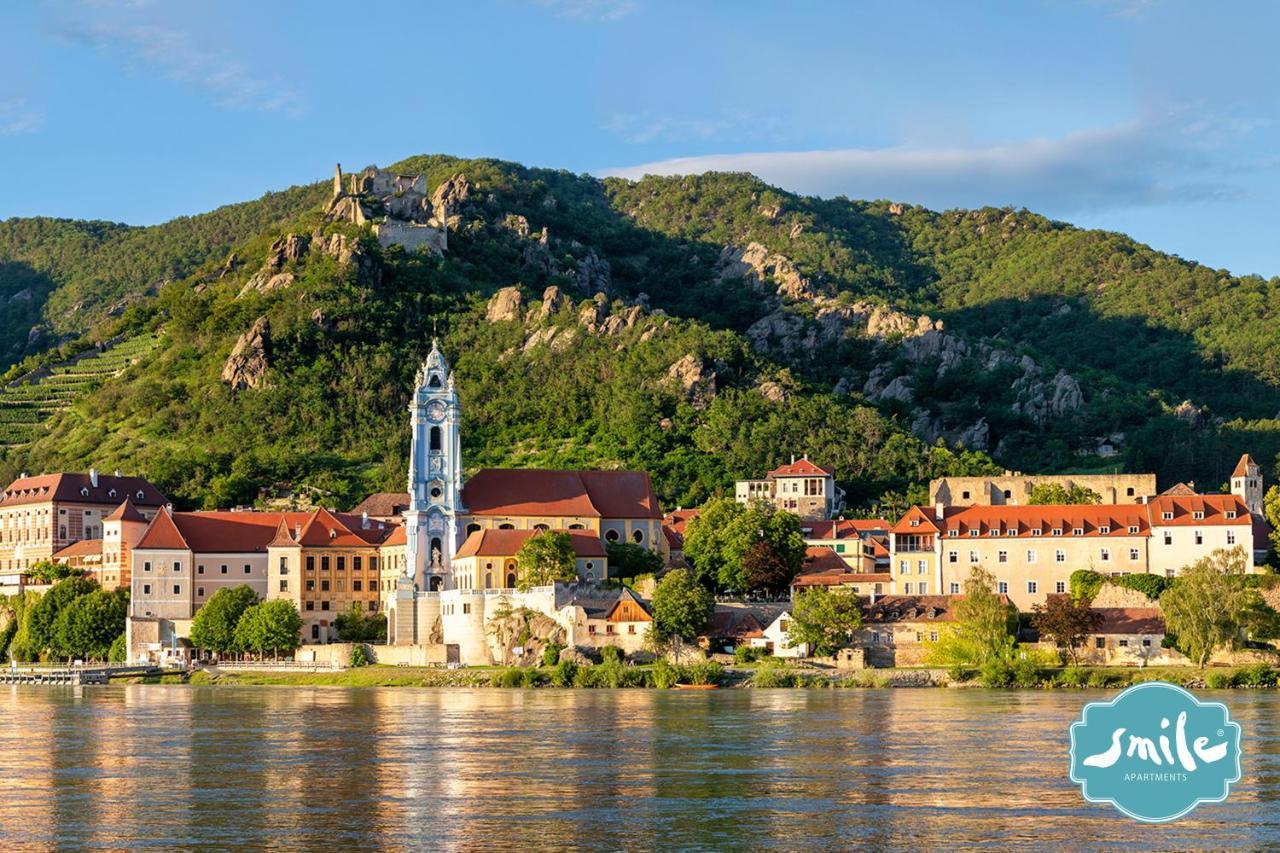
(506, 543)
(545, 493)
(1242, 467)
(126, 512)
(232, 532)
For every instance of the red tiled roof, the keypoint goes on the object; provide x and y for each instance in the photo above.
(925, 522)
(248, 532)
(83, 548)
(383, 504)
(126, 512)
(844, 528)
(677, 520)
(79, 488)
(1180, 490)
(506, 543)
(544, 493)
(1130, 620)
(845, 578)
(1242, 467)
(823, 559)
(1014, 521)
(397, 537)
(801, 468)
(1184, 509)
(675, 539)
(736, 623)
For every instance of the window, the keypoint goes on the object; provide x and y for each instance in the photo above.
(311, 585)
(466, 607)
(1002, 556)
(1168, 573)
(1104, 529)
(955, 588)
(224, 568)
(1002, 587)
(324, 563)
(146, 589)
(315, 629)
(1059, 556)
(611, 536)
(973, 531)
(1031, 556)
(177, 589)
(902, 566)
(284, 565)
(637, 536)
(177, 566)
(922, 568)
(1060, 587)
(1104, 555)
(1168, 538)
(247, 569)
(200, 592)
(324, 586)
(964, 496)
(311, 605)
(1057, 531)
(284, 586)
(953, 556)
(1099, 643)
(355, 564)
(591, 629)
(906, 588)
(973, 556)
(1077, 531)
(1199, 537)
(1031, 587)
(324, 605)
(1231, 513)
(342, 564)
(1037, 531)
(1231, 537)
(922, 588)
(373, 564)
(200, 569)
(919, 637)
(1167, 515)
(311, 563)
(1129, 491)
(1146, 644)
(1124, 644)
(1133, 553)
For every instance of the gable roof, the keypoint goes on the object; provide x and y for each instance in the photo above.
(1130, 620)
(912, 608)
(1213, 508)
(801, 468)
(547, 493)
(79, 488)
(82, 548)
(327, 529)
(162, 534)
(1242, 467)
(233, 532)
(126, 512)
(1180, 489)
(923, 522)
(844, 528)
(506, 543)
(383, 504)
(1023, 520)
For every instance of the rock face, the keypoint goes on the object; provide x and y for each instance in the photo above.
(756, 263)
(290, 247)
(553, 302)
(287, 249)
(773, 392)
(1191, 413)
(594, 313)
(592, 275)
(447, 200)
(696, 382)
(250, 357)
(504, 305)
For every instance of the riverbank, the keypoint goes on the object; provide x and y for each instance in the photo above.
(704, 675)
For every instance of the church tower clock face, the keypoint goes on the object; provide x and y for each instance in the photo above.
(436, 410)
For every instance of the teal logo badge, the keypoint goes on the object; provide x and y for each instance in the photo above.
(1155, 752)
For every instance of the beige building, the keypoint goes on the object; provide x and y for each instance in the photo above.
(1031, 551)
(1014, 488)
(489, 559)
(801, 487)
(896, 630)
(40, 516)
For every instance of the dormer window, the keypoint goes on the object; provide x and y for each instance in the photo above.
(1198, 515)
(1231, 513)
(435, 380)
(1037, 531)
(1057, 531)
(84, 491)
(1104, 529)
(974, 531)
(140, 495)
(1133, 528)
(111, 493)
(915, 522)
(1167, 515)
(953, 532)
(1077, 531)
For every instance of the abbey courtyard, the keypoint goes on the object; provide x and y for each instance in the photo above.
(441, 563)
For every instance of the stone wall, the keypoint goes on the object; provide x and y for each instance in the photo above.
(991, 491)
(412, 237)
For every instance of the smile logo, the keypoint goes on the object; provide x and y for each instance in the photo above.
(1155, 752)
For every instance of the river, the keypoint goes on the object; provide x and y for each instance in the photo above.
(178, 766)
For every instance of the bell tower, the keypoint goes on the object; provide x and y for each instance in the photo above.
(435, 476)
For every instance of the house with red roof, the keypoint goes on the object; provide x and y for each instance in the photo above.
(804, 488)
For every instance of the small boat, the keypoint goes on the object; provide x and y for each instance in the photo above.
(697, 687)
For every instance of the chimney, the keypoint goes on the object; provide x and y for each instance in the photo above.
(117, 474)
(938, 513)
(793, 459)
(364, 521)
(297, 530)
(93, 477)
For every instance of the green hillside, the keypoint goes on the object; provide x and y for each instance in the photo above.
(1046, 346)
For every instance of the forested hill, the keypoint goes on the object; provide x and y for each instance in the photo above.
(738, 324)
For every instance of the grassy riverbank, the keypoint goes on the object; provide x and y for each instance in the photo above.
(771, 675)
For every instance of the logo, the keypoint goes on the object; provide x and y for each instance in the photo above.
(1155, 752)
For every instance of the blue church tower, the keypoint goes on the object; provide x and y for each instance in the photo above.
(435, 476)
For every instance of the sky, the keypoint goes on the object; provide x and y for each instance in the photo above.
(1152, 117)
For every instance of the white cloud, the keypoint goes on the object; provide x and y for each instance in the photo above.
(17, 117)
(640, 128)
(178, 56)
(590, 10)
(1131, 165)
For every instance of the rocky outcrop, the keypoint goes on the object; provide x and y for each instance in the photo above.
(773, 392)
(696, 382)
(285, 250)
(446, 201)
(594, 313)
(553, 302)
(265, 281)
(1189, 412)
(516, 224)
(504, 305)
(756, 263)
(592, 274)
(247, 365)
(976, 437)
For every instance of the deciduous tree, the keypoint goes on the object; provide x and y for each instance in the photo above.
(982, 632)
(545, 558)
(681, 606)
(214, 626)
(824, 619)
(1066, 621)
(1209, 605)
(269, 626)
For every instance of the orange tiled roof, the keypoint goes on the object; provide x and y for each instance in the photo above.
(844, 528)
(506, 543)
(801, 468)
(126, 512)
(1214, 509)
(383, 504)
(545, 493)
(1024, 521)
(162, 534)
(224, 531)
(1130, 620)
(1242, 467)
(79, 488)
(924, 522)
(83, 548)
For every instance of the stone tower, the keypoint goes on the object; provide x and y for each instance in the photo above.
(1246, 481)
(435, 476)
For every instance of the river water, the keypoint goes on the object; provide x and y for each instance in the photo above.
(178, 766)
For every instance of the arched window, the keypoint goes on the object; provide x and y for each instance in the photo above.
(577, 527)
(488, 580)
(611, 535)
(435, 438)
(506, 525)
(541, 528)
(638, 536)
(435, 380)
(511, 580)
(472, 528)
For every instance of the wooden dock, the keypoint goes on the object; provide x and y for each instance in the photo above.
(78, 675)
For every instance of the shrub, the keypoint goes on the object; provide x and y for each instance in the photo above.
(1218, 679)
(359, 656)
(119, 650)
(959, 673)
(702, 672)
(1257, 675)
(1026, 673)
(564, 673)
(995, 673)
(1098, 678)
(1085, 584)
(587, 676)
(747, 654)
(551, 654)
(663, 675)
(774, 673)
(509, 677)
(1148, 584)
(1073, 676)
(611, 654)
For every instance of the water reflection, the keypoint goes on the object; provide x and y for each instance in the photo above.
(175, 766)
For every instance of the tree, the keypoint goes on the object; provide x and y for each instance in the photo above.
(1209, 605)
(681, 606)
(629, 560)
(545, 558)
(982, 630)
(88, 626)
(214, 626)
(1066, 621)
(358, 626)
(1056, 493)
(47, 571)
(719, 537)
(824, 619)
(37, 632)
(1271, 509)
(269, 626)
(763, 568)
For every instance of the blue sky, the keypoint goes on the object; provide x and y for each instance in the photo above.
(1153, 117)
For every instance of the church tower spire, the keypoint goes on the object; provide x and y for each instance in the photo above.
(435, 475)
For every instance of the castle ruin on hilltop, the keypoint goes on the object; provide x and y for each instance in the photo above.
(398, 207)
